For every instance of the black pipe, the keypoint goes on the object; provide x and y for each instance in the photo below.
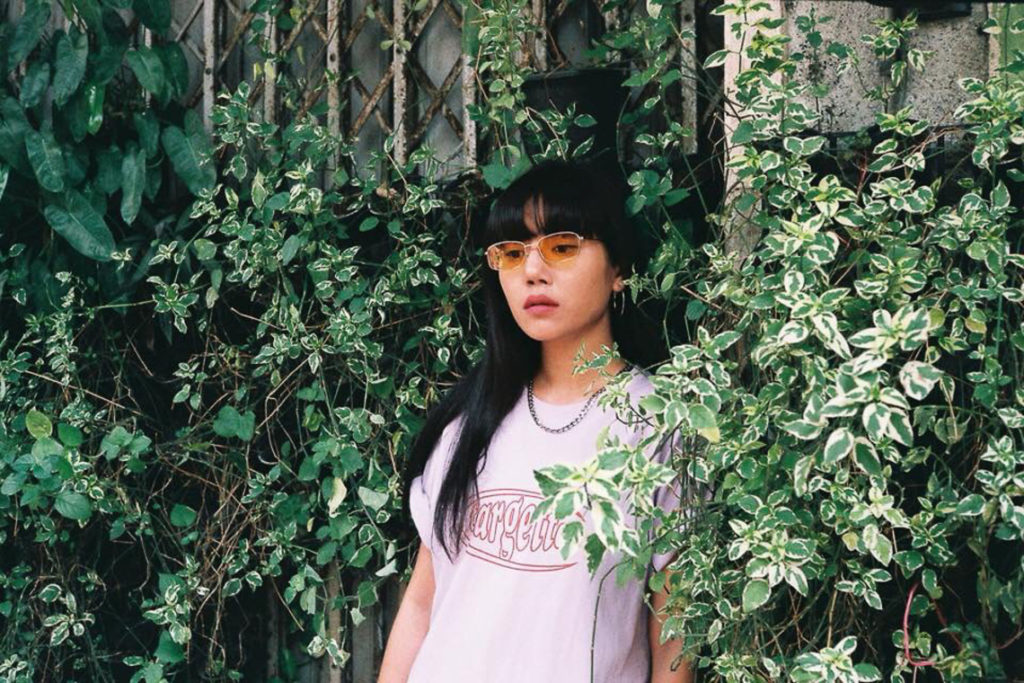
(931, 10)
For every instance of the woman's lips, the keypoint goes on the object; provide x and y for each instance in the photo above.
(539, 304)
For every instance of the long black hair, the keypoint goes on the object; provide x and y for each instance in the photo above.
(582, 196)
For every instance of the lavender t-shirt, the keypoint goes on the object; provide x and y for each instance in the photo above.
(509, 609)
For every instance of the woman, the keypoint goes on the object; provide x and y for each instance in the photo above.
(491, 600)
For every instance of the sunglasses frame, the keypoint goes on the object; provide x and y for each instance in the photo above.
(528, 247)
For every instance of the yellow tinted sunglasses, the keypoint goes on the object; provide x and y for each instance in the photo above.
(558, 247)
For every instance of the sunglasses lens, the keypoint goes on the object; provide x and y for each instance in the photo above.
(505, 255)
(559, 247)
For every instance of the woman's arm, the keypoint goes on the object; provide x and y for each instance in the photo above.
(411, 622)
(662, 655)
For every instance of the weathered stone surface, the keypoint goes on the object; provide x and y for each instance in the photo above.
(960, 50)
(845, 108)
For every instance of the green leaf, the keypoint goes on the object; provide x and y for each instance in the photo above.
(175, 67)
(27, 32)
(155, 14)
(470, 29)
(106, 59)
(47, 161)
(755, 594)
(839, 444)
(46, 448)
(72, 52)
(70, 435)
(148, 68)
(802, 429)
(149, 131)
(338, 491)
(133, 181)
(877, 544)
(864, 455)
(497, 175)
(108, 171)
(82, 226)
(73, 505)
(34, 84)
(971, 506)
(918, 379)
(909, 560)
(190, 153)
(204, 248)
(230, 422)
(716, 59)
(182, 515)
(931, 583)
(14, 128)
(900, 429)
(743, 134)
(168, 651)
(38, 424)
(372, 499)
(801, 471)
(876, 420)
(703, 420)
(93, 95)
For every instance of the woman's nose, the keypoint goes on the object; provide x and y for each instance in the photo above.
(534, 267)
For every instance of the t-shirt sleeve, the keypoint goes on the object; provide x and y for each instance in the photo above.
(683, 494)
(422, 511)
(668, 497)
(425, 487)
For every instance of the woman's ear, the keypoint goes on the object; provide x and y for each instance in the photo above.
(618, 284)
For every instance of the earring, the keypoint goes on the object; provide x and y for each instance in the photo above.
(621, 294)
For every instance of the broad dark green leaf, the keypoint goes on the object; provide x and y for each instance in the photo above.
(175, 67)
(47, 161)
(133, 181)
(168, 651)
(72, 53)
(38, 424)
(91, 12)
(148, 129)
(93, 95)
(108, 169)
(190, 153)
(229, 422)
(27, 32)
(182, 515)
(73, 505)
(155, 14)
(148, 68)
(34, 84)
(13, 128)
(470, 29)
(82, 226)
(106, 58)
(76, 115)
(69, 435)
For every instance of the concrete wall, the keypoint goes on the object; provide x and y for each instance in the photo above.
(959, 49)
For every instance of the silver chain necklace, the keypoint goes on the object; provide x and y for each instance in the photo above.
(575, 421)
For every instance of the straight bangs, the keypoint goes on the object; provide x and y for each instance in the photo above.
(572, 196)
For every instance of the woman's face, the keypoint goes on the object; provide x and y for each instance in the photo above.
(579, 289)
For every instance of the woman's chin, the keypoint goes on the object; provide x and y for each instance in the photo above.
(544, 333)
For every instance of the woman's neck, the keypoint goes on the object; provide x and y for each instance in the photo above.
(555, 381)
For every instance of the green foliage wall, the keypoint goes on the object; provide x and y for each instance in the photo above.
(205, 406)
